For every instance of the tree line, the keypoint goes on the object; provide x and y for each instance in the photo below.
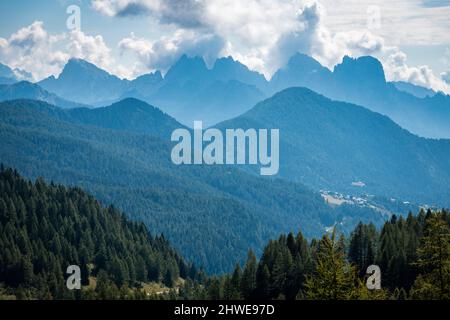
(44, 228)
(413, 254)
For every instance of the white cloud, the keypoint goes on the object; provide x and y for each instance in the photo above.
(403, 22)
(264, 34)
(33, 50)
(397, 69)
(161, 54)
(90, 48)
(446, 77)
(318, 41)
(183, 13)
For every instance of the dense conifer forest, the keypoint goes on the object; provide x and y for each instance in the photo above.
(413, 254)
(44, 228)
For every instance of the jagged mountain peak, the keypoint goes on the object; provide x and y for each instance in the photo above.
(366, 68)
(81, 68)
(187, 67)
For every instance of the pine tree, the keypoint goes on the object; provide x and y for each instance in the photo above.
(248, 282)
(434, 260)
(236, 283)
(262, 282)
(362, 247)
(334, 278)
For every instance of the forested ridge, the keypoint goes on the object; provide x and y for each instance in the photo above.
(413, 254)
(44, 228)
(327, 145)
(121, 155)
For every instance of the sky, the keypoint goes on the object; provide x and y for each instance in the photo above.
(132, 37)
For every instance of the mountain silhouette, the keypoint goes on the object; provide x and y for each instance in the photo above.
(191, 91)
(417, 91)
(362, 81)
(83, 82)
(7, 75)
(329, 145)
(28, 90)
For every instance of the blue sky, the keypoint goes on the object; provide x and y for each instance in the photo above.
(131, 37)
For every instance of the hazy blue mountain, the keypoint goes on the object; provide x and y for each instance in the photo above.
(28, 90)
(147, 83)
(299, 71)
(23, 75)
(128, 115)
(143, 86)
(199, 208)
(418, 91)
(228, 69)
(7, 75)
(355, 78)
(190, 91)
(210, 103)
(331, 145)
(362, 81)
(83, 82)
(188, 69)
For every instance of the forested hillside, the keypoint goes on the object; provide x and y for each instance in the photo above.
(44, 228)
(198, 208)
(330, 145)
(413, 255)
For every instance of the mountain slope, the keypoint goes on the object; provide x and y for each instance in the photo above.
(417, 91)
(28, 90)
(228, 69)
(85, 83)
(7, 75)
(332, 145)
(128, 115)
(362, 81)
(301, 70)
(210, 103)
(190, 91)
(199, 208)
(46, 227)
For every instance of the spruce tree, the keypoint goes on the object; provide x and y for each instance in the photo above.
(334, 278)
(434, 260)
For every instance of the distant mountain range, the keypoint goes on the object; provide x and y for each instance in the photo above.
(191, 91)
(7, 76)
(362, 81)
(419, 92)
(83, 82)
(343, 147)
(10, 76)
(28, 90)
